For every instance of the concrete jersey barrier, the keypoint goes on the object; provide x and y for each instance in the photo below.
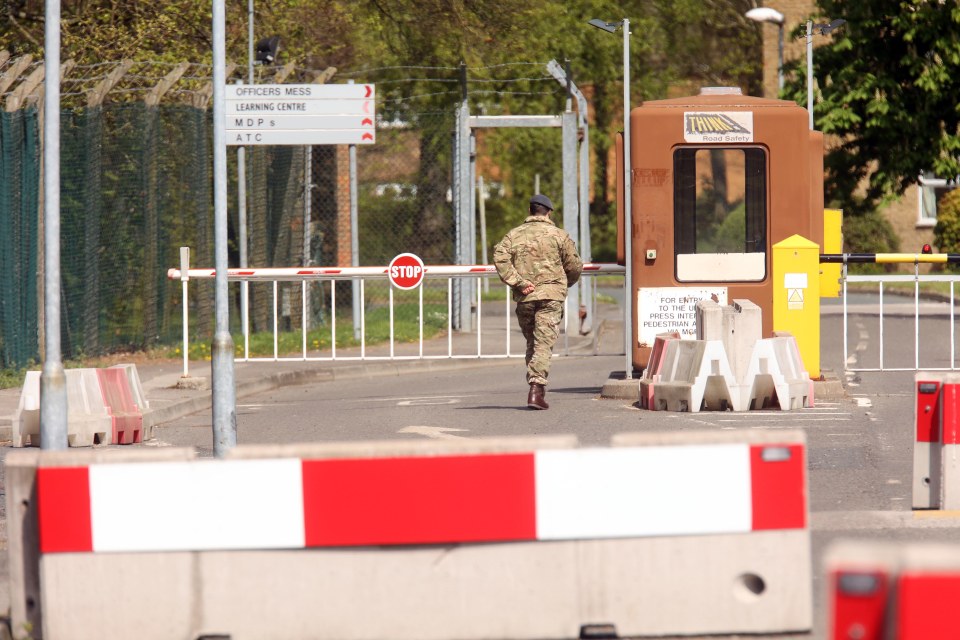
(501, 539)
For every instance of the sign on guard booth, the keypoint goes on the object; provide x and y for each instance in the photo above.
(507, 538)
(878, 591)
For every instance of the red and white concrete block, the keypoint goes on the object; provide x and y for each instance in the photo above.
(535, 496)
(506, 538)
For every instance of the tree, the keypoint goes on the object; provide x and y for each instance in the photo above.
(678, 44)
(94, 31)
(888, 87)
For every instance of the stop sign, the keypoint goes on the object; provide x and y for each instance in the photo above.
(406, 271)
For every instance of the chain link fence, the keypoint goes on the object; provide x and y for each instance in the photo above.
(19, 233)
(136, 168)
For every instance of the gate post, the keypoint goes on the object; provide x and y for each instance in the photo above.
(796, 297)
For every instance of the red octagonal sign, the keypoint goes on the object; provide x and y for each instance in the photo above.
(406, 271)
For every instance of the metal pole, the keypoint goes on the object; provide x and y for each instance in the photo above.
(473, 284)
(571, 205)
(810, 72)
(482, 206)
(564, 76)
(224, 391)
(242, 224)
(184, 278)
(627, 206)
(250, 41)
(307, 214)
(53, 381)
(354, 240)
(463, 195)
(242, 198)
(780, 58)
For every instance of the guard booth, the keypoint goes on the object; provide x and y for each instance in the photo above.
(717, 180)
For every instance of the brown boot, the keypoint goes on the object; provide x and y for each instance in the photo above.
(536, 397)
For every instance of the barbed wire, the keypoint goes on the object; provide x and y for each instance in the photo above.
(141, 77)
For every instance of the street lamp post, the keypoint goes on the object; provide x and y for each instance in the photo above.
(810, 72)
(611, 27)
(766, 14)
(822, 29)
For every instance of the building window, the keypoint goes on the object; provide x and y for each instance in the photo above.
(932, 189)
(720, 214)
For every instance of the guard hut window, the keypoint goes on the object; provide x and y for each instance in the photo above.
(720, 214)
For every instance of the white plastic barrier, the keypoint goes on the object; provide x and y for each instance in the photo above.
(776, 375)
(508, 538)
(878, 591)
(26, 419)
(88, 419)
(696, 375)
(692, 375)
(103, 407)
(738, 326)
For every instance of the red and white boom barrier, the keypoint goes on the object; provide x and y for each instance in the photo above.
(507, 538)
(878, 591)
(345, 273)
(936, 446)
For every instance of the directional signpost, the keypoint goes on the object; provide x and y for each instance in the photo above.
(300, 114)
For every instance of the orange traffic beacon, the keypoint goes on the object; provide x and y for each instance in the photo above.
(717, 180)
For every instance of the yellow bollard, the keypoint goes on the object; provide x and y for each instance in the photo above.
(832, 243)
(796, 297)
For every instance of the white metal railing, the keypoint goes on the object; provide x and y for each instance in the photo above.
(918, 309)
(306, 275)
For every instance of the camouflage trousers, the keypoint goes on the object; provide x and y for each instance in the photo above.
(540, 324)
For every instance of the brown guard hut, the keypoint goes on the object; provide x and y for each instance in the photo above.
(717, 180)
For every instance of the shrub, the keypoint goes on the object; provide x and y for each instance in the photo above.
(947, 232)
(869, 233)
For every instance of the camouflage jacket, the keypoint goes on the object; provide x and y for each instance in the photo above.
(538, 252)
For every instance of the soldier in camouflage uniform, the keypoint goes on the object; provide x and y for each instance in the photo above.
(538, 262)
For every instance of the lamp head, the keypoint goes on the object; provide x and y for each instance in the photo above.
(765, 14)
(267, 49)
(609, 27)
(824, 29)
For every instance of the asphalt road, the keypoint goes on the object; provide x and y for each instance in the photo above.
(859, 446)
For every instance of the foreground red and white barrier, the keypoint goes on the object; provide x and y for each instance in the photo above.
(511, 538)
(542, 495)
(879, 591)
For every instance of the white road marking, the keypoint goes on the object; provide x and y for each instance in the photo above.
(416, 401)
(863, 402)
(426, 401)
(799, 419)
(439, 433)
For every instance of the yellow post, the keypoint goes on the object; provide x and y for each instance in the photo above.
(796, 297)
(832, 243)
